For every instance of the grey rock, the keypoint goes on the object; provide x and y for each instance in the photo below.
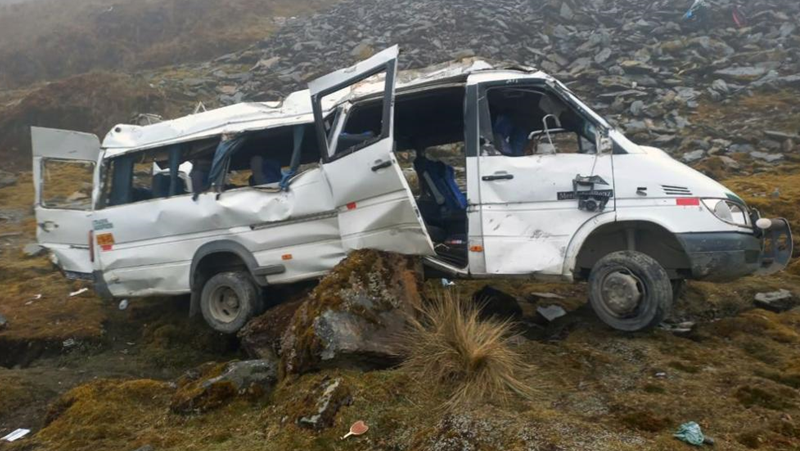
(360, 328)
(566, 11)
(776, 301)
(3, 322)
(636, 107)
(781, 135)
(603, 56)
(7, 179)
(742, 148)
(461, 54)
(746, 73)
(551, 312)
(693, 156)
(360, 50)
(247, 374)
(634, 127)
(729, 162)
(768, 157)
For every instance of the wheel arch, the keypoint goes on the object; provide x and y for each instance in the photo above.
(645, 236)
(216, 256)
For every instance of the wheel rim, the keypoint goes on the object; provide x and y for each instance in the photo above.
(225, 304)
(621, 293)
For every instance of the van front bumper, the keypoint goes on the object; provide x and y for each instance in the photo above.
(724, 256)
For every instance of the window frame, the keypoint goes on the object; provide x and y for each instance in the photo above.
(42, 184)
(484, 128)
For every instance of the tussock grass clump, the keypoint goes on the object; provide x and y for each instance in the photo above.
(449, 347)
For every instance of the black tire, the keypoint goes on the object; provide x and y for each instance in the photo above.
(229, 300)
(630, 291)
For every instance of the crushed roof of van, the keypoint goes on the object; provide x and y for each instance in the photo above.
(294, 109)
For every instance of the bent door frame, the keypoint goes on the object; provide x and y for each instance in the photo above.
(375, 205)
(65, 232)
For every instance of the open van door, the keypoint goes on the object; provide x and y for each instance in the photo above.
(376, 208)
(64, 179)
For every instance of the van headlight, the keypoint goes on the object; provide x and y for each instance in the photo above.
(728, 211)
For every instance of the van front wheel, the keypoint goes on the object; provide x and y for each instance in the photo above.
(228, 301)
(630, 291)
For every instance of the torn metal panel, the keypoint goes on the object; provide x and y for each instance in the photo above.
(155, 252)
(526, 224)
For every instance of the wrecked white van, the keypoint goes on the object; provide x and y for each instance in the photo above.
(224, 203)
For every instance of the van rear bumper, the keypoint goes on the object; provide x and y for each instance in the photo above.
(724, 256)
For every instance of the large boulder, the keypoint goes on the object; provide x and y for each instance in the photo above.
(354, 316)
(261, 337)
(213, 385)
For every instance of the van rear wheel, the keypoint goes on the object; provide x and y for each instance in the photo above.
(228, 301)
(630, 291)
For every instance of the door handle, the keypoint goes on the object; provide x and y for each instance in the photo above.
(381, 165)
(493, 177)
(48, 226)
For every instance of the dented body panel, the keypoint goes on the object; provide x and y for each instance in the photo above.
(522, 217)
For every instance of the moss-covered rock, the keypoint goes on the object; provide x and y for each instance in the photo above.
(214, 385)
(353, 317)
(318, 410)
(261, 337)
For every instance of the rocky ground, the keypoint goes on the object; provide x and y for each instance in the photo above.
(719, 92)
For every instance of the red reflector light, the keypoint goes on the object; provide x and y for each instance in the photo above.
(687, 201)
(351, 206)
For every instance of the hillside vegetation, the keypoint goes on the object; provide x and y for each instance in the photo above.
(45, 39)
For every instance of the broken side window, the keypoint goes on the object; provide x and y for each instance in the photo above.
(267, 158)
(156, 173)
(520, 121)
(67, 184)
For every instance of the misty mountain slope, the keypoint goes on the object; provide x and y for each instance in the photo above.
(47, 39)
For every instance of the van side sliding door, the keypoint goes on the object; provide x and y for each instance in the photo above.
(376, 208)
(64, 178)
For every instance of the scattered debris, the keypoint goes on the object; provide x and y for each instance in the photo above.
(551, 312)
(3, 322)
(69, 343)
(123, 304)
(690, 433)
(447, 283)
(32, 250)
(358, 428)
(546, 296)
(776, 301)
(16, 435)
(76, 293)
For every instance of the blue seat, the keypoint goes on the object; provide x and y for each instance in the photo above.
(438, 181)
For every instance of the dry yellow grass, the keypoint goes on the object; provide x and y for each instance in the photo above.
(450, 347)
